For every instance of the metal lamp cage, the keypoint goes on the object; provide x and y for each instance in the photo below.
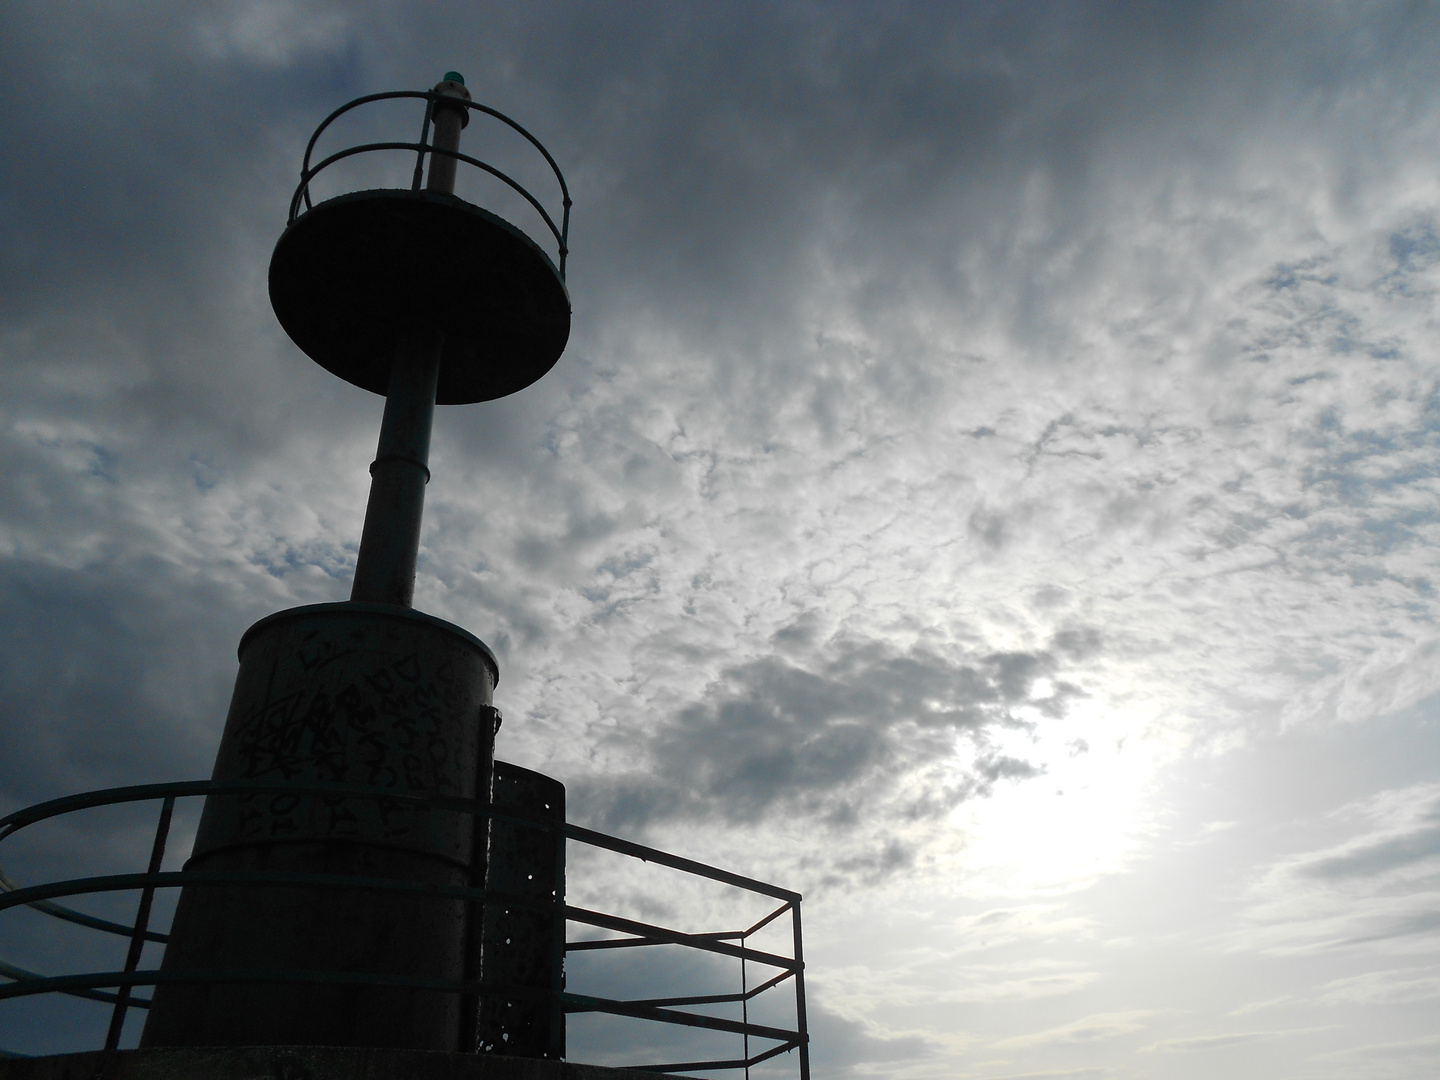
(116, 988)
(301, 200)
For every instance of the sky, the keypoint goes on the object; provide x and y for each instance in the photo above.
(992, 486)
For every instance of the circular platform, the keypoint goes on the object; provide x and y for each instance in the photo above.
(348, 274)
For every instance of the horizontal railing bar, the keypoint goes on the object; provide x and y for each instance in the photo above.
(559, 239)
(184, 788)
(586, 944)
(661, 1010)
(179, 878)
(152, 977)
(307, 177)
(756, 991)
(170, 879)
(689, 1066)
(194, 788)
(714, 999)
(622, 943)
(60, 911)
(774, 1051)
(432, 97)
(570, 1002)
(60, 983)
(10, 971)
(582, 1003)
(675, 937)
(611, 943)
(697, 999)
(559, 176)
(768, 919)
(733, 1063)
(675, 862)
(343, 109)
(12, 823)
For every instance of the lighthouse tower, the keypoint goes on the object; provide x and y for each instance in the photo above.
(426, 298)
(370, 893)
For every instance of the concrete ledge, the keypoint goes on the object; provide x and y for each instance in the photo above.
(300, 1063)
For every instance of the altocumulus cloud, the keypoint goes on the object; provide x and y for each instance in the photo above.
(830, 737)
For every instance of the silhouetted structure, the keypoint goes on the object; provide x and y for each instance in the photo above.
(365, 874)
(422, 296)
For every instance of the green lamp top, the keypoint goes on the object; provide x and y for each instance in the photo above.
(454, 76)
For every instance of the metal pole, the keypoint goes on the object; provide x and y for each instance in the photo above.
(800, 1024)
(142, 923)
(744, 1008)
(448, 120)
(390, 542)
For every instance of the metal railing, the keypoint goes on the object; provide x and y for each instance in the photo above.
(115, 988)
(421, 149)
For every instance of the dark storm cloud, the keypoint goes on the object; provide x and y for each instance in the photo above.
(830, 737)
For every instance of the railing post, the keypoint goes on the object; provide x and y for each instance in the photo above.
(744, 1008)
(424, 145)
(142, 923)
(800, 1024)
(565, 235)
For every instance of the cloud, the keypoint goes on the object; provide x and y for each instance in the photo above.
(1383, 988)
(1374, 889)
(834, 738)
(1375, 857)
(273, 33)
(844, 1046)
(1422, 1049)
(992, 983)
(1096, 1028)
(1214, 1042)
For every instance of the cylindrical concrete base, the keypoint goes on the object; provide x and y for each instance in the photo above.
(351, 693)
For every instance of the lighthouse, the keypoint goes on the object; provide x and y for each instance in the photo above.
(369, 890)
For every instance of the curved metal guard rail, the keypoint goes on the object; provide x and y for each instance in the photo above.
(115, 987)
(423, 147)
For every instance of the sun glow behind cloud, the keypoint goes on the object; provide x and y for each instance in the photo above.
(1085, 816)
